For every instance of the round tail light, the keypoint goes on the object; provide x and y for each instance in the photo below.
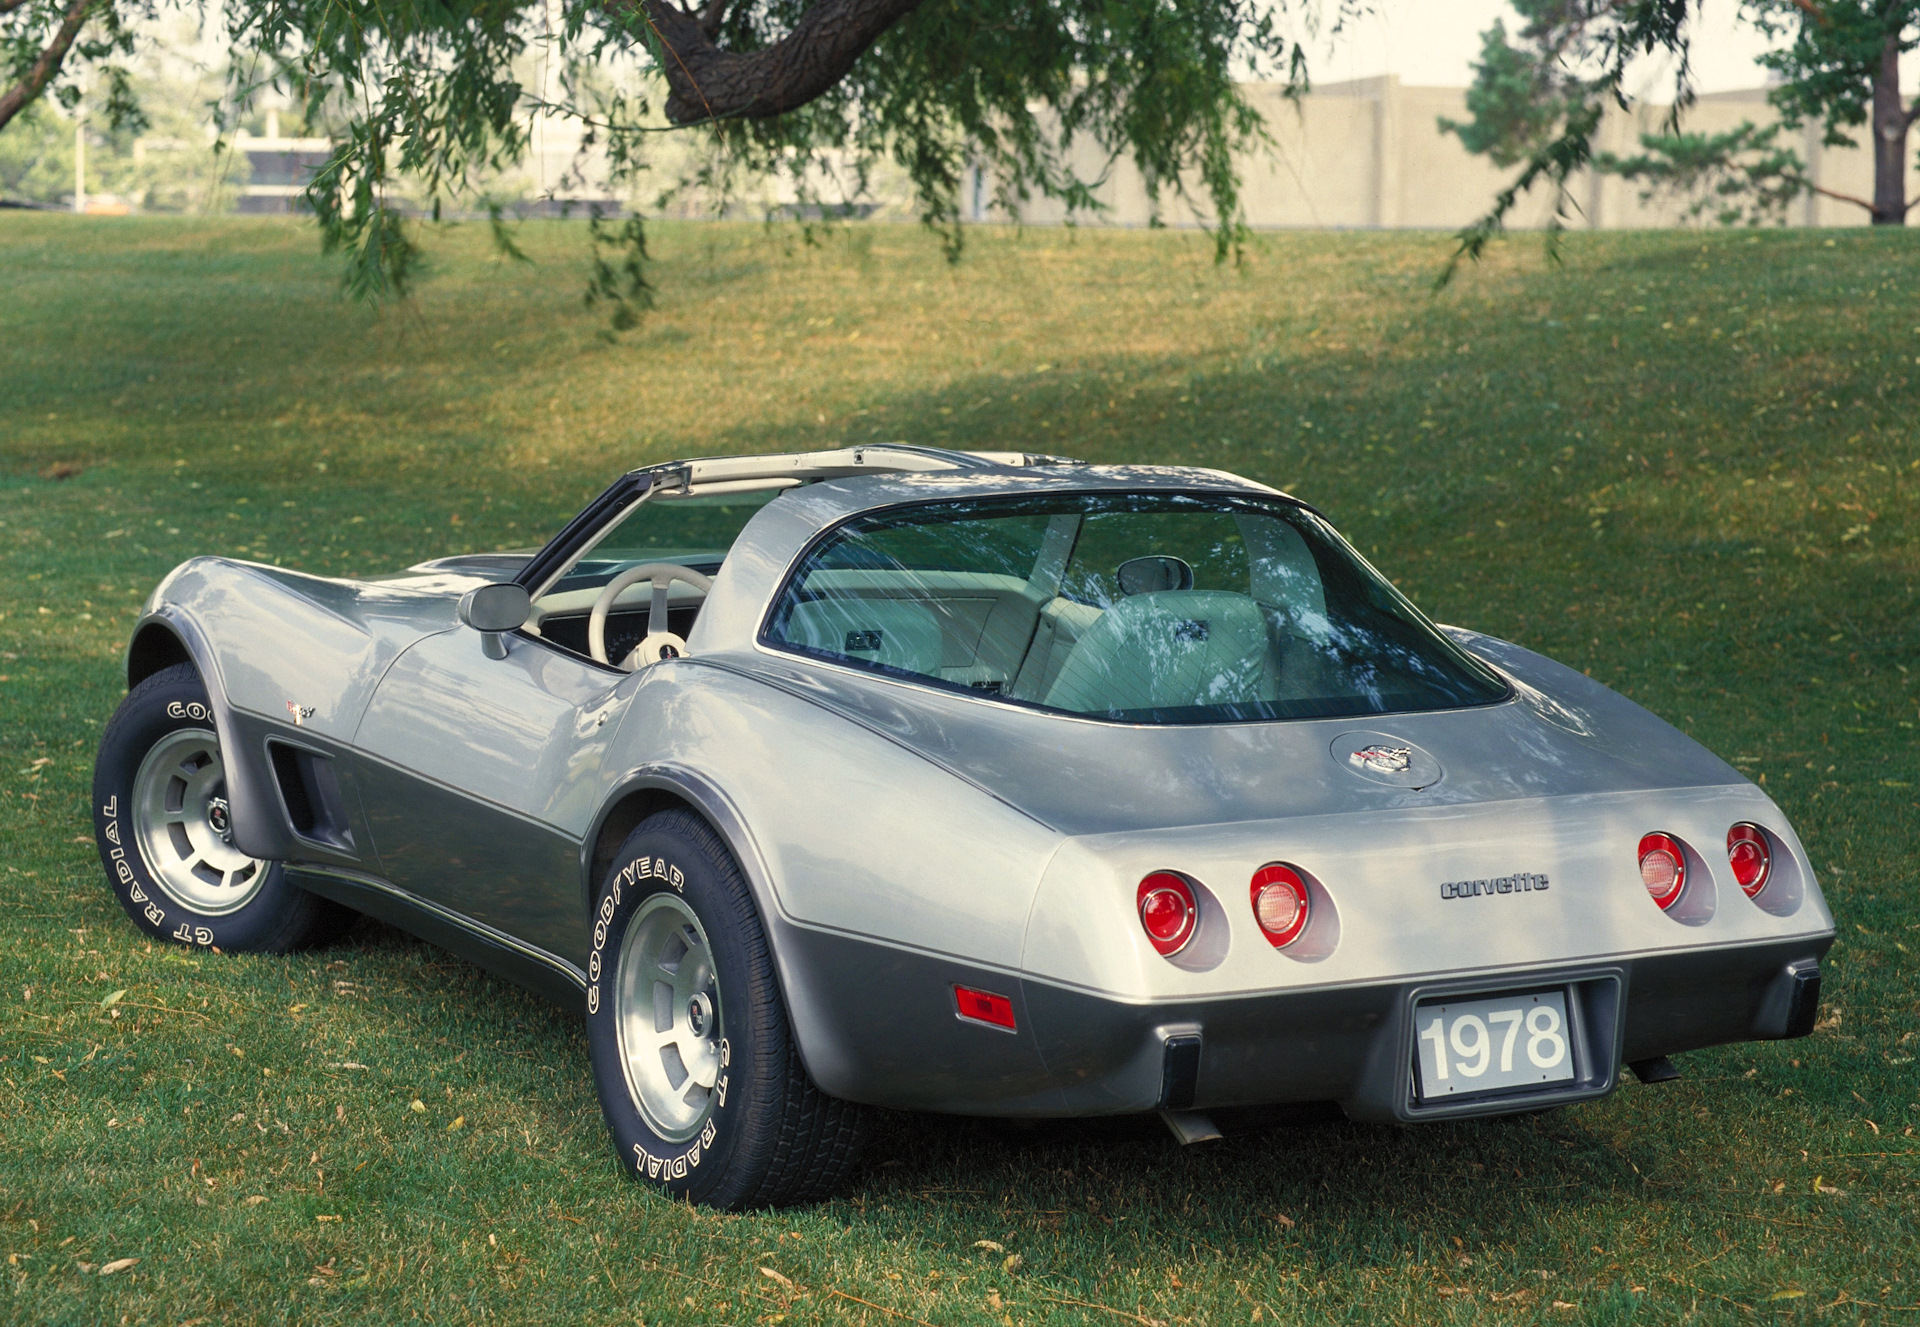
(1663, 868)
(1280, 903)
(1750, 856)
(1168, 913)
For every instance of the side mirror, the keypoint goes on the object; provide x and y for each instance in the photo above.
(492, 609)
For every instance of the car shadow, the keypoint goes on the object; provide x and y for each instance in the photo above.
(1301, 1178)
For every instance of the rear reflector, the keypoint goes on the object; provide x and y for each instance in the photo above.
(984, 1007)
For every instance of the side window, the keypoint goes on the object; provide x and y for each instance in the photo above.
(941, 598)
(1006, 546)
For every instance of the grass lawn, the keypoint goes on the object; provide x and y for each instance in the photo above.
(1686, 463)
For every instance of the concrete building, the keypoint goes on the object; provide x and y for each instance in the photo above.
(277, 168)
(1369, 154)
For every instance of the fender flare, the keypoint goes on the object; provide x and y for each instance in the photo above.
(258, 817)
(813, 1033)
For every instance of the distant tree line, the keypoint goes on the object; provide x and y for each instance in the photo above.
(1537, 98)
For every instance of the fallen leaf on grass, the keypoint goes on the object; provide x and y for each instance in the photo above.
(255, 1200)
(113, 999)
(1562, 1304)
(991, 1246)
(118, 1265)
(772, 1275)
(993, 1300)
(1820, 1186)
(1285, 1222)
(327, 1218)
(1013, 1263)
(418, 1107)
(1786, 1294)
(459, 1122)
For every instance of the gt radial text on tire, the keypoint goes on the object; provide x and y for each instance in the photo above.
(165, 832)
(699, 1078)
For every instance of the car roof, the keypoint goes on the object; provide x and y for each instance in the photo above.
(847, 479)
(779, 532)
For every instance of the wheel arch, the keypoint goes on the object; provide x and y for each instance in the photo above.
(166, 637)
(158, 644)
(650, 788)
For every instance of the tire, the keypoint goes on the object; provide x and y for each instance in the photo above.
(161, 822)
(715, 1108)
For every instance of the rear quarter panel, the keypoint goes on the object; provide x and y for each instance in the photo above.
(858, 834)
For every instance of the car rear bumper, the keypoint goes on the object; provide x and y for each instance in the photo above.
(879, 1025)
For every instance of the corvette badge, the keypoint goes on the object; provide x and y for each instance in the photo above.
(1386, 759)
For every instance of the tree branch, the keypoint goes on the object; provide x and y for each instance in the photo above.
(1837, 196)
(15, 99)
(710, 17)
(705, 82)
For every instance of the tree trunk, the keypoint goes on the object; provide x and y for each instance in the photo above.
(1890, 120)
(705, 82)
(15, 99)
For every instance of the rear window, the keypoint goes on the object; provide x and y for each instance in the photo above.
(1146, 608)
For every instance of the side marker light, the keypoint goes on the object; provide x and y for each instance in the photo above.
(984, 1007)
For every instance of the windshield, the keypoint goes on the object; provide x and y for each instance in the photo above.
(693, 533)
(1149, 608)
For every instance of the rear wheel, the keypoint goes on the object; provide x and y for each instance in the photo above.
(165, 831)
(699, 1078)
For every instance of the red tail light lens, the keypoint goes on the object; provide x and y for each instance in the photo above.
(1663, 868)
(1750, 856)
(1280, 903)
(984, 1007)
(1168, 913)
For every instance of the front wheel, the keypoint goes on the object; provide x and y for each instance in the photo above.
(699, 1078)
(165, 832)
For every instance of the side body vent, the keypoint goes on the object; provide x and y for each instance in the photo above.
(310, 792)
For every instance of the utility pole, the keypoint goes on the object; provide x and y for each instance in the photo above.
(80, 167)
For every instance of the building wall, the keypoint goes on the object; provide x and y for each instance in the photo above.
(1369, 154)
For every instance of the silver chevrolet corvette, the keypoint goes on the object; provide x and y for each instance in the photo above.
(983, 783)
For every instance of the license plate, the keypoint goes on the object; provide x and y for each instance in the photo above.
(1498, 1043)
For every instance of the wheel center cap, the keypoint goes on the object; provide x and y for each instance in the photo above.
(699, 1014)
(220, 818)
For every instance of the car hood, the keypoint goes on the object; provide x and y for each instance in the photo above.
(1560, 734)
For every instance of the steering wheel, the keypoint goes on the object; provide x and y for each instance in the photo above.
(660, 643)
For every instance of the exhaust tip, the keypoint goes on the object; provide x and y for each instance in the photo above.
(1190, 1126)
